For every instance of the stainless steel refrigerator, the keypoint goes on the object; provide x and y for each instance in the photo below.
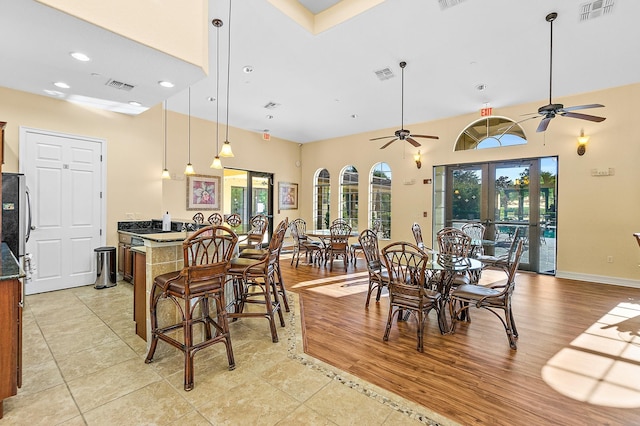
(16, 215)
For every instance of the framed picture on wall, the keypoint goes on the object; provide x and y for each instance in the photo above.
(288, 195)
(203, 192)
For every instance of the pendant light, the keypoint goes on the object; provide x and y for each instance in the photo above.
(226, 146)
(165, 171)
(217, 164)
(189, 169)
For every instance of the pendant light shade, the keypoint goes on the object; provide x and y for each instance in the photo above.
(226, 146)
(165, 171)
(217, 164)
(189, 169)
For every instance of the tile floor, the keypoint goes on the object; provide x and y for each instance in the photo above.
(84, 364)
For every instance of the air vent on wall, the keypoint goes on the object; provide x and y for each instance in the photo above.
(119, 85)
(595, 9)
(446, 4)
(271, 105)
(384, 74)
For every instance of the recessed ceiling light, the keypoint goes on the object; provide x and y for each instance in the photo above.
(80, 56)
(61, 85)
(53, 93)
(354, 115)
(135, 103)
(481, 87)
(248, 69)
(167, 84)
(269, 117)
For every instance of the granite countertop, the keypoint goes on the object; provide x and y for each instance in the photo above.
(159, 237)
(9, 267)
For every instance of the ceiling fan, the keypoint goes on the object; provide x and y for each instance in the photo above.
(403, 134)
(551, 110)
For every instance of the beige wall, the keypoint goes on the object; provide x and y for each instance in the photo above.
(135, 152)
(596, 215)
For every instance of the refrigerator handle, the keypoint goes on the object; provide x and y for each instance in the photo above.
(29, 227)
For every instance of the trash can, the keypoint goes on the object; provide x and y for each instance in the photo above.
(105, 267)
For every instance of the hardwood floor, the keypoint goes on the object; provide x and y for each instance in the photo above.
(578, 350)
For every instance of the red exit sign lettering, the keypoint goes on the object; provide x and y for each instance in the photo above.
(486, 112)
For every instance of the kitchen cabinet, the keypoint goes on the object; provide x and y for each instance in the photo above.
(10, 325)
(125, 257)
(140, 291)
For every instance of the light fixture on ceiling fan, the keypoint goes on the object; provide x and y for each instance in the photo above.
(403, 134)
(550, 110)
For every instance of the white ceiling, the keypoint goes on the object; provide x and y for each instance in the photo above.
(319, 81)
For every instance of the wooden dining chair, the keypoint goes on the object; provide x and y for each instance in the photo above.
(408, 290)
(455, 244)
(503, 262)
(376, 227)
(338, 245)
(493, 298)
(313, 249)
(207, 254)
(476, 231)
(378, 273)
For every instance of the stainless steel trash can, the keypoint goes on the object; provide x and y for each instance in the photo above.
(105, 267)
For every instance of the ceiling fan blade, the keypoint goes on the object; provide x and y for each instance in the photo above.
(382, 137)
(412, 141)
(573, 108)
(583, 116)
(388, 143)
(543, 124)
(425, 136)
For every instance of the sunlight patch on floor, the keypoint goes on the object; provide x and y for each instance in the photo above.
(602, 365)
(338, 286)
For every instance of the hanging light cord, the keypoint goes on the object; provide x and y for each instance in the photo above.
(228, 73)
(189, 124)
(217, 88)
(165, 134)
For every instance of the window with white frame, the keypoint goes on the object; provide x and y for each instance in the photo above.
(380, 197)
(348, 208)
(321, 199)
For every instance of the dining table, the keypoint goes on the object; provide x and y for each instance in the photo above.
(442, 270)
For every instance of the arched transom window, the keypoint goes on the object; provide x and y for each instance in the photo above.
(490, 132)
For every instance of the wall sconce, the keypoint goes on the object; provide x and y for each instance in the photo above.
(418, 159)
(582, 143)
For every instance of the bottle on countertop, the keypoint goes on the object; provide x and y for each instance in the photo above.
(166, 222)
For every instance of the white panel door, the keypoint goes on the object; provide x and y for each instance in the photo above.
(64, 174)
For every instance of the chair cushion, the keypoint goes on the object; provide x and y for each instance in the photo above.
(239, 264)
(253, 253)
(174, 283)
(474, 292)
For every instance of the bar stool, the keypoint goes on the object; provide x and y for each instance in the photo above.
(256, 282)
(206, 260)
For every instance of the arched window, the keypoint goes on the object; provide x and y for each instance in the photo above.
(348, 207)
(380, 197)
(321, 199)
(490, 132)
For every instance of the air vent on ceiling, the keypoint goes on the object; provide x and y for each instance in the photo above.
(384, 74)
(119, 85)
(271, 105)
(446, 4)
(595, 9)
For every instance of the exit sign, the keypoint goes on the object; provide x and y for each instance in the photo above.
(486, 112)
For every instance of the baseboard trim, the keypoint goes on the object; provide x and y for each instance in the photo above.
(600, 279)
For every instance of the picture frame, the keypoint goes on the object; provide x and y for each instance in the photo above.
(203, 192)
(288, 195)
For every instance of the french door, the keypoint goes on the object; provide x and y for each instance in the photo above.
(503, 196)
(249, 193)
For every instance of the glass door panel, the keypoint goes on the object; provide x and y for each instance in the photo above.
(466, 195)
(248, 193)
